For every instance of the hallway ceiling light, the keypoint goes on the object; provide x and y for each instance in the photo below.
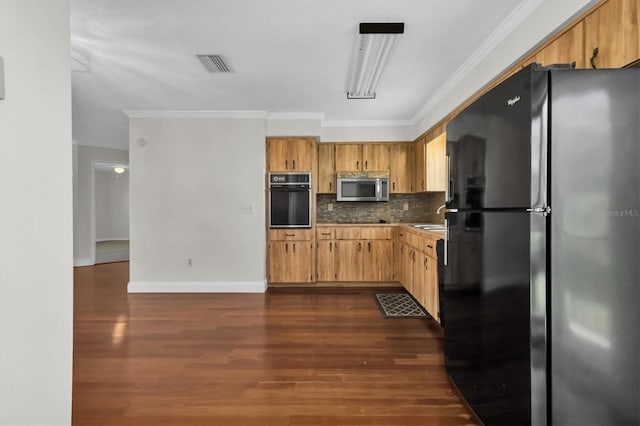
(374, 45)
(119, 170)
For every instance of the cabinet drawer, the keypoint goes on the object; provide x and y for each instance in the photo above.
(347, 233)
(325, 233)
(291, 234)
(376, 233)
(428, 246)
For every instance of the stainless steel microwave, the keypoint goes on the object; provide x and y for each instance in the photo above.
(363, 189)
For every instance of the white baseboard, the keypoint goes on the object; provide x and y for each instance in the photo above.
(83, 262)
(99, 240)
(197, 286)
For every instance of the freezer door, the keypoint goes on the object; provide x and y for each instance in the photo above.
(595, 234)
(487, 301)
(496, 147)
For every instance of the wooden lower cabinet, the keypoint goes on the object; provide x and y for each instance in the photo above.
(291, 261)
(417, 269)
(355, 254)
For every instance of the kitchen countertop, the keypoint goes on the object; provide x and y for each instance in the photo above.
(433, 233)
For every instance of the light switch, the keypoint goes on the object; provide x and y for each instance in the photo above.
(248, 208)
(330, 207)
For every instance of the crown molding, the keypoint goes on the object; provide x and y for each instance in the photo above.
(367, 123)
(295, 116)
(511, 22)
(193, 114)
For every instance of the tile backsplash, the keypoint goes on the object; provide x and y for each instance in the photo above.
(421, 209)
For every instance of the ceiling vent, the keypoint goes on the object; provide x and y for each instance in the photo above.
(213, 63)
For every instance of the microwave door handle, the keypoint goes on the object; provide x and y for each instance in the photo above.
(378, 189)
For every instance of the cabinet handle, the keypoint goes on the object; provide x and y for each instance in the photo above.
(593, 58)
(425, 263)
(402, 249)
(294, 164)
(359, 246)
(294, 247)
(326, 233)
(329, 186)
(394, 186)
(429, 246)
(422, 183)
(286, 164)
(366, 165)
(286, 248)
(290, 235)
(369, 244)
(357, 165)
(330, 247)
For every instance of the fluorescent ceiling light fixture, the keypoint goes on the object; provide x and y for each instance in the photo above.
(119, 170)
(374, 45)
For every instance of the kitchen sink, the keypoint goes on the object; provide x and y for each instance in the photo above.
(430, 227)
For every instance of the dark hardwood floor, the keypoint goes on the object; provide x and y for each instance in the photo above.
(287, 357)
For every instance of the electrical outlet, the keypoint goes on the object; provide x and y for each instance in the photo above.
(405, 206)
(189, 263)
(330, 207)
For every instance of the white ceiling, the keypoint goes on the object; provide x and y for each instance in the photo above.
(286, 56)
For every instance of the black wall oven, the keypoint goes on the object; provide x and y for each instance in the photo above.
(290, 200)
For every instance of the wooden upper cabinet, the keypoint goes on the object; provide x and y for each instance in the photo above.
(567, 48)
(348, 157)
(436, 163)
(400, 168)
(326, 168)
(375, 157)
(362, 157)
(420, 165)
(613, 29)
(290, 154)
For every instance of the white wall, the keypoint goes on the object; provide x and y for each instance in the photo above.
(367, 133)
(112, 205)
(187, 187)
(543, 21)
(36, 275)
(83, 193)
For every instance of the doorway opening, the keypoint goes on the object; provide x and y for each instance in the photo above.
(111, 207)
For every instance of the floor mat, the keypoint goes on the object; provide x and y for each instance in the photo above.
(399, 305)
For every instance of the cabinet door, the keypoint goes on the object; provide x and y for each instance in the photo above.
(378, 260)
(432, 296)
(436, 163)
(349, 260)
(277, 155)
(375, 157)
(301, 154)
(348, 157)
(290, 261)
(278, 261)
(420, 277)
(567, 48)
(326, 168)
(408, 268)
(325, 260)
(613, 30)
(300, 260)
(420, 169)
(401, 164)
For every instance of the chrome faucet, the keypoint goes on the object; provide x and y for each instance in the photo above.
(440, 208)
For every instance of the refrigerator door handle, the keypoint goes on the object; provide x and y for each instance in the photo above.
(446, 238)
(447, 193)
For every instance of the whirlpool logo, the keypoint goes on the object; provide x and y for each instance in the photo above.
(513, 101)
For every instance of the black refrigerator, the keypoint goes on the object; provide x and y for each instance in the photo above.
(539, 287)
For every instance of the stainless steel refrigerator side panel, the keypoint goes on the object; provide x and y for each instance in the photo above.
(538, 307)
(595, 234)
